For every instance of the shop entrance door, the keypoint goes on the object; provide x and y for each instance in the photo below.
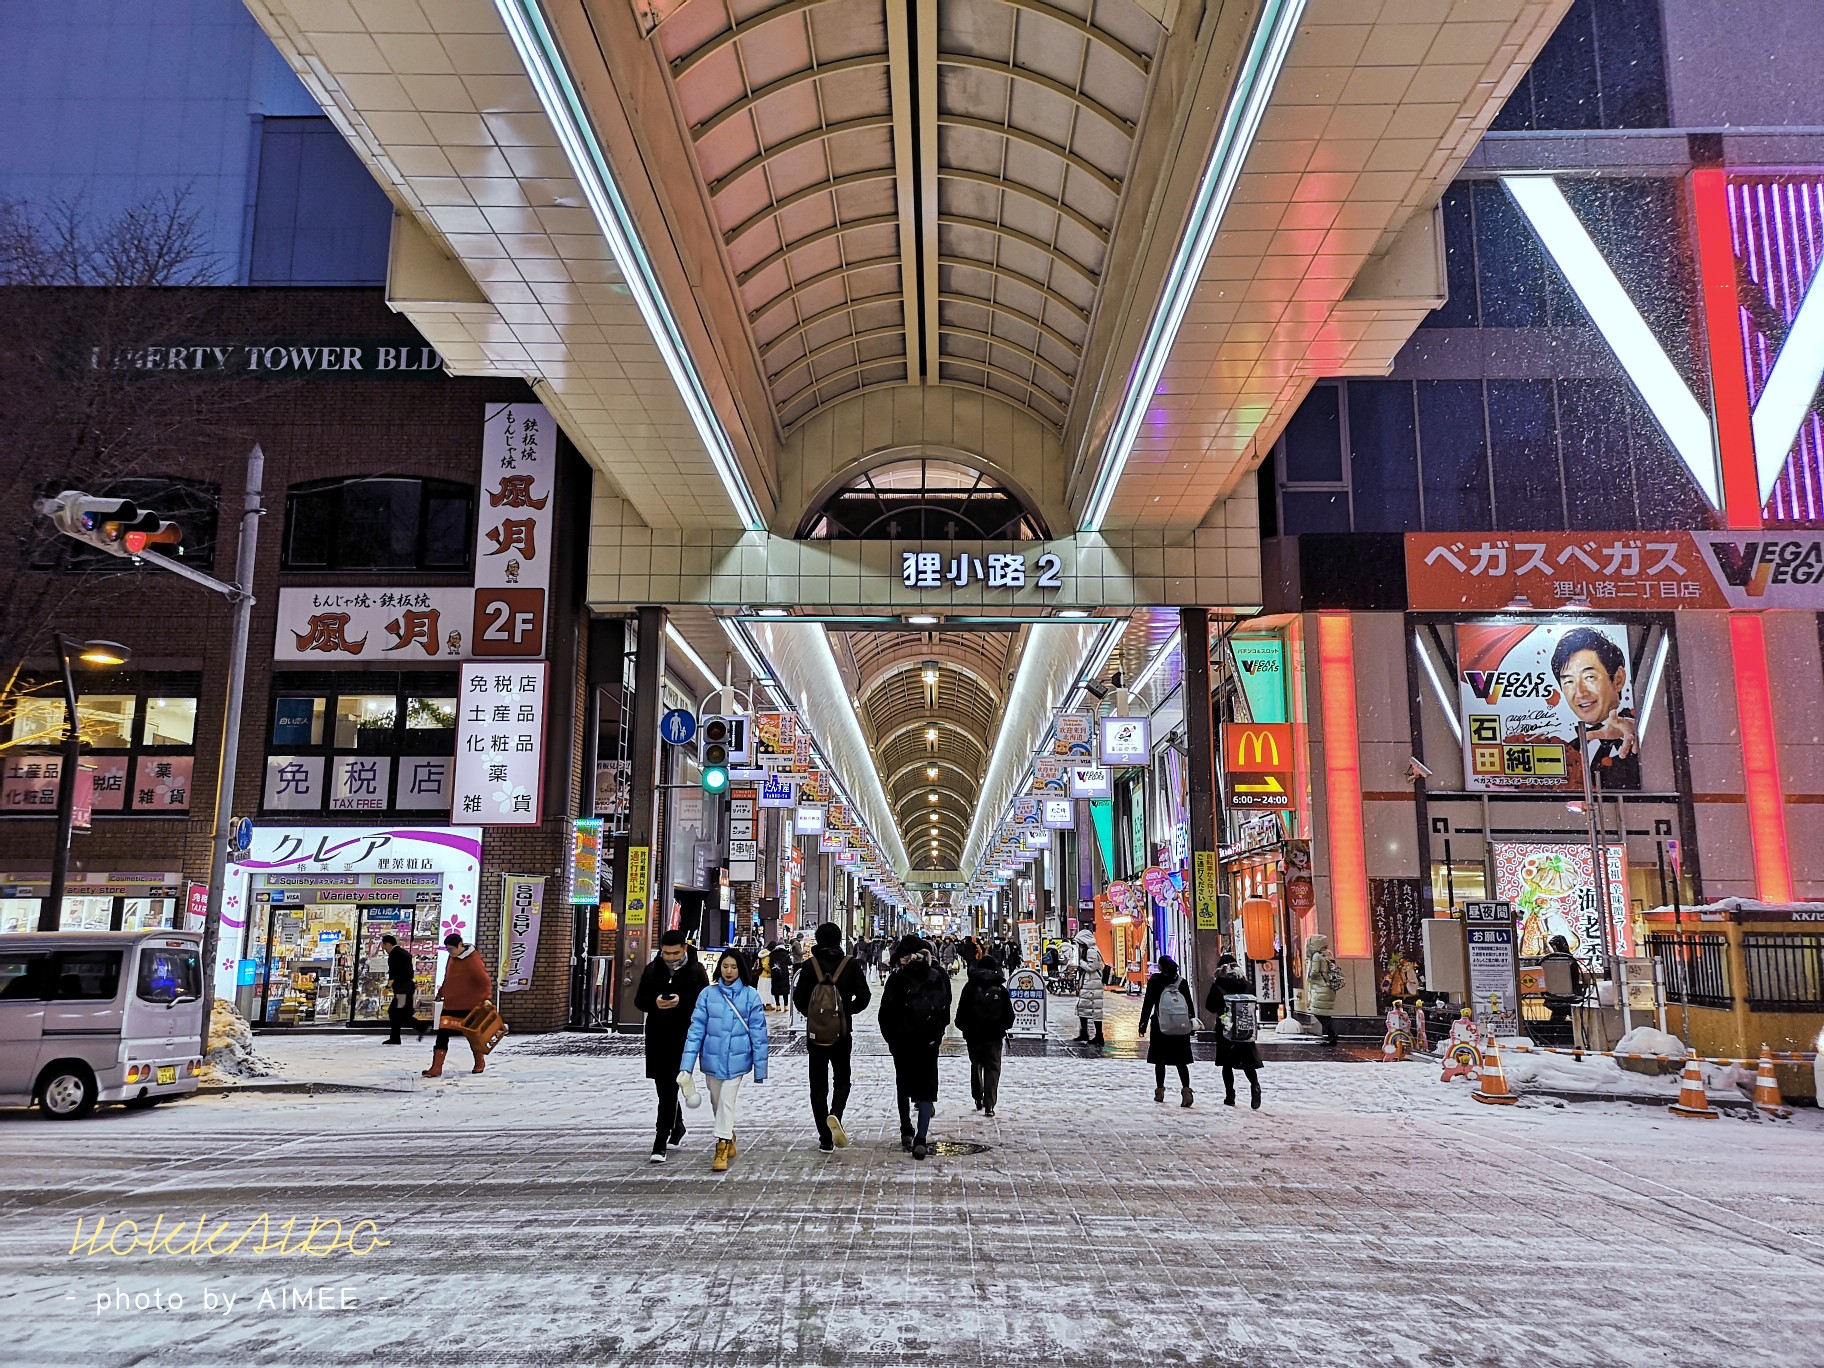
(416, 929)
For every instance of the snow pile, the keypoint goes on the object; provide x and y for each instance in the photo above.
(231, 1053)
(1292, 1028)
(1645, 1040)
(1567, 1073)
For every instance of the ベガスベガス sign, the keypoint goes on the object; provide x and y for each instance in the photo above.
(1636, 570)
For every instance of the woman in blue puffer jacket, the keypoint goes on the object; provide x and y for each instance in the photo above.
(728, 1033)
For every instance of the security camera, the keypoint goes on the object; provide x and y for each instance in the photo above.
(1416, 769)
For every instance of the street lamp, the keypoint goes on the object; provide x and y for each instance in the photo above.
(103, 655)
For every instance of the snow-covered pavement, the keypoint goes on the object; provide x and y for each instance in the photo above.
(1367, 1215)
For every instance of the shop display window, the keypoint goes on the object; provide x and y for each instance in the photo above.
(18, 914)
(365, 722)
(297, 722)
(1457, 883)
(136, 742)
(87, 914)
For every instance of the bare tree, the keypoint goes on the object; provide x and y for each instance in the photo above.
(77, 292)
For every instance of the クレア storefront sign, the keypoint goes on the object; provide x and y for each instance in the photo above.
(500, 743)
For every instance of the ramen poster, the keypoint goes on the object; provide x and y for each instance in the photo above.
(1553, 893)
(1523, 690)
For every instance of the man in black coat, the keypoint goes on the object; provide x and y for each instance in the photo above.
(914, 1013)
(668, 994)
(402, 979)
(984, 1014)
(825, 964)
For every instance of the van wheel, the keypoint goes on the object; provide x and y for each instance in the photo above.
(66, 1092)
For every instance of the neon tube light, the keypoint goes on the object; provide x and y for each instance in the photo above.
(563, 105)
(1760, 759)
(1152, 667)
(1667, 395)
(676, 638)
(1729, 398)
(1240, 121)
(1445, 701)
(1654, 671)
(1343, 785)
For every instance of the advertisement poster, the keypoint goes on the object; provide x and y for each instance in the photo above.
(500, 744)
(1073, 734)
(1553, 892)
(1257, 765)
(1126, 740)
(522, 902)
(1523, 689)
(638, 878)
(1203, 871)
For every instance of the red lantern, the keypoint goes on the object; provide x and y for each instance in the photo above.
(1257, 928)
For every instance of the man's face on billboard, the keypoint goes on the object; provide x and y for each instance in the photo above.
(1590, 691)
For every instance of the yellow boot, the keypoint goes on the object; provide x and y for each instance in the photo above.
(731, 1145)
(720, 1163)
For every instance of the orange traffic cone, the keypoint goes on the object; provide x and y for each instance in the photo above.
(1767, 1100)
(1693, 1101)
(1493, 1089)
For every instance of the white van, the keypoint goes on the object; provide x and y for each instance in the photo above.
(99, 1016)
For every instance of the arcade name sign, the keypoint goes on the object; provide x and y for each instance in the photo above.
(362, 358)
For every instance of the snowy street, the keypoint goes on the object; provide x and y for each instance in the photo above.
(1366, 1215)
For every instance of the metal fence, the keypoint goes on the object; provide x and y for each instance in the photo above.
(1785, 972)
(1694, 967)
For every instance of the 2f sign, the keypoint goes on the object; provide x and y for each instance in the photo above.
(509, 622)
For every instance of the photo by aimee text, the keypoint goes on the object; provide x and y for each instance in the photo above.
(193, 1237)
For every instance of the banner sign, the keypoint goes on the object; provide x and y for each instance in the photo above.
(586, 860)
(1059, 814)
(1523, 689)
(1025, 812)
(808, 820)
(1126, 740)
(1073, 734)
(1637, 570)
(1260, 664)
(500, 743)
(1203, 877)
(522, 902)
(1090, 781)
(1494, 985)
(1049, 773)
(1027, 989)
(777, 791)
(1257, 769)
(639, 875)
(515, 529)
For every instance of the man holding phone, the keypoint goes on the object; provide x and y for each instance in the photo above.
(668, 994)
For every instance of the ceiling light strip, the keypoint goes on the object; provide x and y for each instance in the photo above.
(673, 635)
(563, 105)
(1565, 239)
(1172, 643)
(1240, 121)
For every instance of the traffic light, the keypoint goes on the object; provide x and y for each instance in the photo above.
(713, 753)
(118, 526)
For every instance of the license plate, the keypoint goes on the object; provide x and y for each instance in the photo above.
(167, 1073)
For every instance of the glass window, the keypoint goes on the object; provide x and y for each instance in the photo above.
(107, 719)
(1511, 269)
(85, 975)
(430, 714)
(1523, 449)
(365, 721)
(1598, 467)
(1315, 511)
(20, 977)
(169, 722)
(923, 499)
(1455, 446)
(38, 721)
(298, 722)
(1383, 460)
(378, 524)
(318, 217)
(168, 975)
(87, 914)
(1314, 439)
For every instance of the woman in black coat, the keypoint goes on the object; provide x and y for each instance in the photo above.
(1163, 1049)
(914, 1013)
(780, 964)
(1234, 1054)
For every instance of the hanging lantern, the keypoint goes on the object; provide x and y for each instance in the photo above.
(1257, 928)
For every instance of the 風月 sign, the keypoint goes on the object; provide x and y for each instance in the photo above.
(500, 743)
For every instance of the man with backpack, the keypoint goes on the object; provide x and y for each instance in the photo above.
(832, 988)
(984, 1014)
(914, 1013)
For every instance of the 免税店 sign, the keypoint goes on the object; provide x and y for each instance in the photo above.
(500, 744)
(1257, 765)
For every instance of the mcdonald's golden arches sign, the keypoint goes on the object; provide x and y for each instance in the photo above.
(1257, 764)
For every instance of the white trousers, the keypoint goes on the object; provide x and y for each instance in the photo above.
(723, 1093)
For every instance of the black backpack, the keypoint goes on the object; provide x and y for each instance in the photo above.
(928, 1003)
(993, 1007)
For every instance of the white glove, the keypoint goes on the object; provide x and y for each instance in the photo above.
(688, 1086)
